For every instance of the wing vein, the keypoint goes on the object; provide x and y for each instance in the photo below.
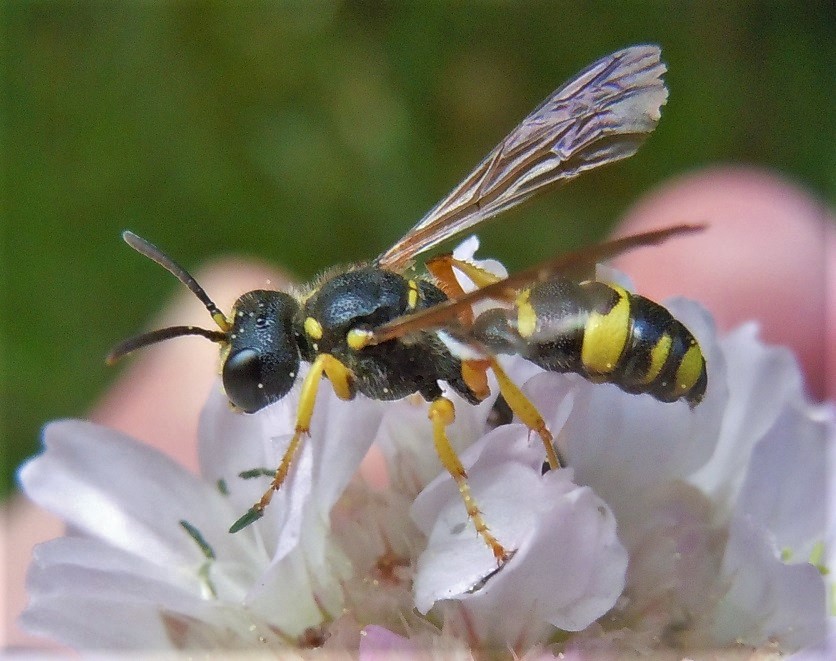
(601, 116)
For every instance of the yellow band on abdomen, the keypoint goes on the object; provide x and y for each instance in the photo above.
(605, 335)
(658, 356)
(690, 369)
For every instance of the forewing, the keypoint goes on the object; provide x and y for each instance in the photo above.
(507, 289)
(600, 116)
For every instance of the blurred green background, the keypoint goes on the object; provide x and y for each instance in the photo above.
(315, 133)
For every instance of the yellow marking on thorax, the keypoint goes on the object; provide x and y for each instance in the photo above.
(605, 335)
(313, 328)
(690, 369)
(357, 338)
(412, 297)
(526, 315)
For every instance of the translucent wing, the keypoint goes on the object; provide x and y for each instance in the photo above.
(601, 116)
(508, 288)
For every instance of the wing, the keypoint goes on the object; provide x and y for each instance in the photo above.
(601, 116)
(507, 289)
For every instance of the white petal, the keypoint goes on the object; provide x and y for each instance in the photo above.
(467, 248)
(83, 591)
(622, 445)
(76, 622)
(304, 576)
(824, 649)
(405, 437)
(762, 380)
(295, 595)
(786, 481)
(502, 445)
(348, 430)
(121, 491)
(232, 442)
(625, 445)
(568, 568)
(767, 600)
(84, 553)
(675, 555)
(466, 252)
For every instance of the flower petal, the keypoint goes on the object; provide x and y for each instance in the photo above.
(72, 581)
(121, 491)
(568, 567)
(405, 438)
(625, 445)
(786, 481)
(378, 643)
(466, 251)
(303, 579)
(767, 600)
(232, 443)
(762, 380)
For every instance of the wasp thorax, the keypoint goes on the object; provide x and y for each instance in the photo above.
(345, 308)
(263, 358)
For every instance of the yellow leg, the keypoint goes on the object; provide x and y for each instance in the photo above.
(526, 411)
(442, 414)
(340, 377)
(442, 268)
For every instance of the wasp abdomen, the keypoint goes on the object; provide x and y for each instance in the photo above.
(603, 333)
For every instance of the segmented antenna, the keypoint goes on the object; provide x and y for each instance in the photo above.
(133, 343)
(153, 253)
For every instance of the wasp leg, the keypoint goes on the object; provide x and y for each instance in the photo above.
(475, 375)
(340, 377)
(442, 268)
(526, 411)
(442, 414)
(474, 372)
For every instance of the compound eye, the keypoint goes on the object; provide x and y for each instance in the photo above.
(263, 358)
(242, 377)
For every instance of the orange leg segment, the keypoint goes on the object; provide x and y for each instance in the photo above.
(442, 269)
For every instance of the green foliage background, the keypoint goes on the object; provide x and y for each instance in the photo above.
(315, 133)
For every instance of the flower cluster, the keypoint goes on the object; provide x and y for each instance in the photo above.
(671, 528)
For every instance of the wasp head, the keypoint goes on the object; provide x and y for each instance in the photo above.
(262, 354)
(259, 345)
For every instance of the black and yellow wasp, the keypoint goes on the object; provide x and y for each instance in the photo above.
(375, 330)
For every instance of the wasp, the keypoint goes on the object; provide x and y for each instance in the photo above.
(376, 330)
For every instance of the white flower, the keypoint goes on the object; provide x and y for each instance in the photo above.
(568, 565)
(131, 576)
(671, 528)
(720, 525)
(721, 510)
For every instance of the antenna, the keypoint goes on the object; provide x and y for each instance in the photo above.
(153, 253)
